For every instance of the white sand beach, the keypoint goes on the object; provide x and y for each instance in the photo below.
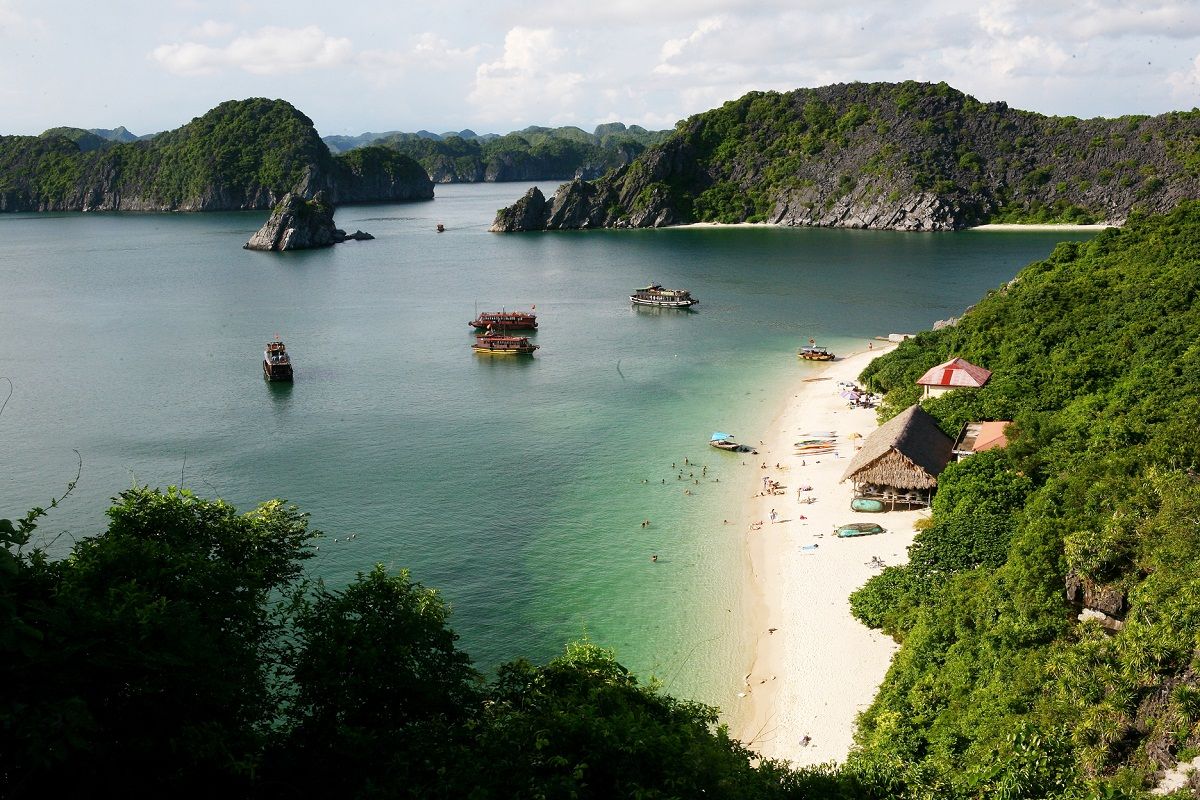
(814, 667)
(1015, 226)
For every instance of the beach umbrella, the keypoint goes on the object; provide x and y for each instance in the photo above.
(854, 436)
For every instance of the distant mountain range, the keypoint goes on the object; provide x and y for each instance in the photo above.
(532, 154)
(911, 156)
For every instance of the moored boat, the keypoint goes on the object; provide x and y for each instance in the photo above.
(724, 441)
(505, 321)
(811, 352)
(277, 364)
(498, 344)
(656, 295)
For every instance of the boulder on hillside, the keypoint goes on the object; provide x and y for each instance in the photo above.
(299, 224)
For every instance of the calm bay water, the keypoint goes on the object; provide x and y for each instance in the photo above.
(516, 487)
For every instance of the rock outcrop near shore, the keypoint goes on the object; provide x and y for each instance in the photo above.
(242, 155)
(908, 156)
(299, 224)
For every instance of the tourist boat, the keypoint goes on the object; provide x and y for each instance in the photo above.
(498, 344)
(277, 365)
(441, 228)
(505, 321)
(859, 529)
(811, 352)
(724, 441)
(656, 295)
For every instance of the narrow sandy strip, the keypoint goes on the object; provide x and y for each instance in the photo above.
(1048, 226)
(815, 667)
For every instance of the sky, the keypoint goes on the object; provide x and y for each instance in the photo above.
(502, 65)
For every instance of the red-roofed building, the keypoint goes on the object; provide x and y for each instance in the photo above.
(976, 437)
(956, 373)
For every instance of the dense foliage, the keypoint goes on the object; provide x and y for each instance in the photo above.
(182, 653)
(531, 154)
(900, 155)
(240, 155)
(998, 690)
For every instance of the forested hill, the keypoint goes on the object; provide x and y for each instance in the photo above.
(910, 156)
(999, 688)
(532, 154)
(243, 154)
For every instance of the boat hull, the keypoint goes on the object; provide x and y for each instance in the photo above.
(641, 301)
(490, 351)
(866, 504)
(277, 372)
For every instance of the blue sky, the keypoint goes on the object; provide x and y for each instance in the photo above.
(503, 65)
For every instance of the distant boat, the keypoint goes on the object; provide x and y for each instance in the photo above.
(441, 228)
(811, 352)
(656, 295)
(498, 344)
(724, 441)
(277, 364)
(505, 321)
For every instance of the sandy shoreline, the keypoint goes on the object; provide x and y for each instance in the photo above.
(991, 226)
(818, 667)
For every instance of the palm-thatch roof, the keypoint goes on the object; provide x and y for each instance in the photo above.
(909, 451)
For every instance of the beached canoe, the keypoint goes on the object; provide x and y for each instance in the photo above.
(859, 529)
(866, 504)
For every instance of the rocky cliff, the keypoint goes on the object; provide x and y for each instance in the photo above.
(906, 156)
(241, 155)
(299, 224)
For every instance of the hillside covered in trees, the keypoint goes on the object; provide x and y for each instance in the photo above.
(532, 154)
(999, 690)
(241, 155)
(910, 156)
(183, 651)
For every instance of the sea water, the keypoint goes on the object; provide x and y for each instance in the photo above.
(516, 486)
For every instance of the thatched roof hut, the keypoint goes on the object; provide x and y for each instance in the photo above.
(903, 456)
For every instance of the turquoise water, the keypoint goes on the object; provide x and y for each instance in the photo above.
(516, 487)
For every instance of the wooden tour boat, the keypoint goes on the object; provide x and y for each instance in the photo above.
(499, 344)
(277, 364)
(724, 441)
(656, 295)
(811, 352)
(505, 321)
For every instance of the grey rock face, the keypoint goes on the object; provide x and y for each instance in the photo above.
(527, 214)
(299, 224)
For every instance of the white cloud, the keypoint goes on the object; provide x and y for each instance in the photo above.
(267, 51)
(674, 47)
(1185, 84)
(530, 79)
(211, 29)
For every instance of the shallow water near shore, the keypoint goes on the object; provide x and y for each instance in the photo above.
(517, 487)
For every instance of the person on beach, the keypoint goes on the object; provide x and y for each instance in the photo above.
(772, 515)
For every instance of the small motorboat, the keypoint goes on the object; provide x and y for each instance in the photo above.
(724, 441)
(859, 529)
(441, 228)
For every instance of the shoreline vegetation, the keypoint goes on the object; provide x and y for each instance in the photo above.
(990, 226)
